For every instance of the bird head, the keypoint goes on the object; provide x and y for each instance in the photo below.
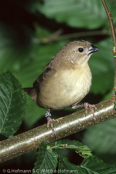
(78, 52)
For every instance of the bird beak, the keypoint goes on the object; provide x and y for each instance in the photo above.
(92, 49)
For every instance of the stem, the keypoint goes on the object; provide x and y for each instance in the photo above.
(57, 36)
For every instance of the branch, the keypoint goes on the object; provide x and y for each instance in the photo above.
(56, 36)
(68, 125)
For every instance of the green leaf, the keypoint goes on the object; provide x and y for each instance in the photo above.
(90, 164)
(101, 139)
(65, 166)
(86, 14)
(84, 151)
(81, 149)
(69, 142)
(12, 104)
(46, 160)
(94, 165)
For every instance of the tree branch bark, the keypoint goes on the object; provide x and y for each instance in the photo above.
(67, 125)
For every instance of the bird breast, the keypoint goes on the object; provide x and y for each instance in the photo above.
(65, 87)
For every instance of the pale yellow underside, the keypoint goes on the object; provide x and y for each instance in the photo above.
(68, 87)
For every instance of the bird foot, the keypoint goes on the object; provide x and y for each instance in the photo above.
(50, 121)
(86, 106)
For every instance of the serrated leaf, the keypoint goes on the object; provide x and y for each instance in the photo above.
(46, 160)
(12, 104)
(87, 14)
(90, 165)
(95, 165)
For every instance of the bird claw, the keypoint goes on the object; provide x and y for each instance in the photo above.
(86, 106)
(48, 114)
(50, 121)
(91, 107)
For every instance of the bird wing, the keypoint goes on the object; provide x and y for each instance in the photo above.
(50, 64)
(45, 74)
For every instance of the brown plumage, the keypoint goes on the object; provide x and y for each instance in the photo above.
(67, 78)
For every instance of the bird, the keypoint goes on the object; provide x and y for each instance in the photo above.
(66, 80)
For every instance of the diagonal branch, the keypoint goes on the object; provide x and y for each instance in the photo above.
(68, 125)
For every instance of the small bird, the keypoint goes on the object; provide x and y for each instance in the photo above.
(66, 80)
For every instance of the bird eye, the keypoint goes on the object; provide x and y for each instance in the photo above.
(80, 50)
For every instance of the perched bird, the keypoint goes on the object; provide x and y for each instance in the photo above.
(66, 80)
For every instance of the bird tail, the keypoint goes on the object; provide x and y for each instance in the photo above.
(31, 92)
(28, 90)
